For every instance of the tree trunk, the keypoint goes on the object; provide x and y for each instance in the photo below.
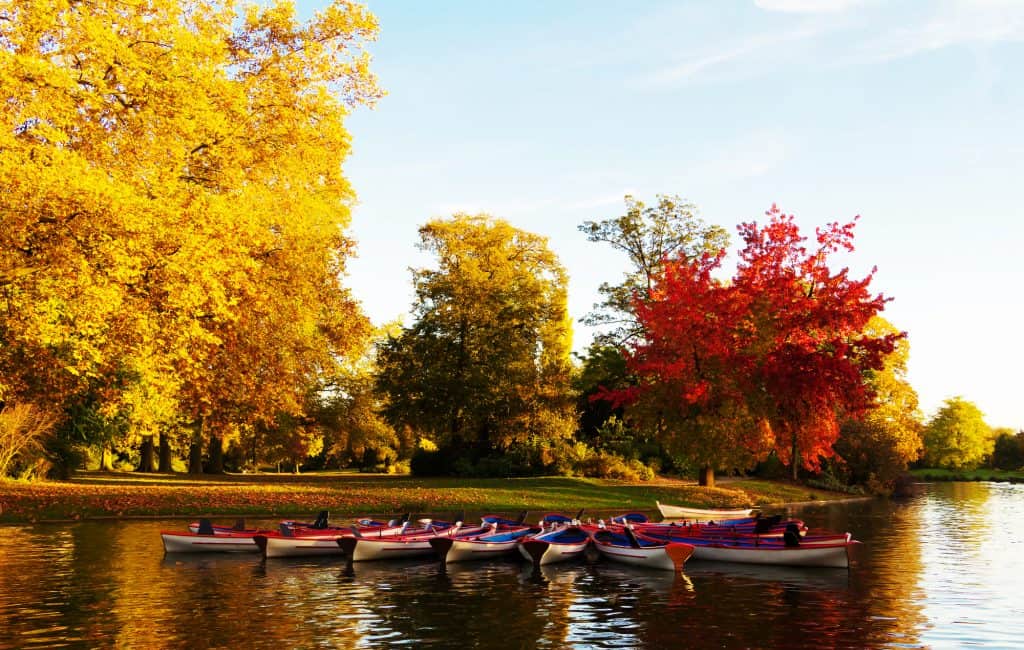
(216, 455)
(165, 453)
(106, 464)
(794, 458)
(706, 476)
(195, 448)
(146, 463)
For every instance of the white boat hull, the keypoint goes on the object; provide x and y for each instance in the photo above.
(364, 550)
(655, 557)
(194, 543)
(811, 555)
(542, 553)
(701, 514)
(281, 546)
(472, 550)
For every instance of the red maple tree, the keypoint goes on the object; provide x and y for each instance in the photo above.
(768, 361)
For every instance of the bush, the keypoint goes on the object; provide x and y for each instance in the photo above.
(771, 468)
(829, 482)
(605, 465)
(24, 431)
(399, 467)
(65, 457)
(430, 463)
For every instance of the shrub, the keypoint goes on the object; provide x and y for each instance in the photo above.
(24, 431)
(399, 467)
(430, 463)
(605, 465)
(771, 468)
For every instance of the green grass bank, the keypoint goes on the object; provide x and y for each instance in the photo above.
(93, 495)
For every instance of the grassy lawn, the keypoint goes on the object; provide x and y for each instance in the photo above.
(968, 475)
(99, 494)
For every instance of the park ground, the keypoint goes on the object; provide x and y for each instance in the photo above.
(99, 495)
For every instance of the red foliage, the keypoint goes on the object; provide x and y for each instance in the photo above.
(785, 337)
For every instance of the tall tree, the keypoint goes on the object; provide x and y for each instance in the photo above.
(879, 445)
(691, 388)
(648, 235)
(768, 361)
(1008, 449)
(198, 250)
(809, 347)
(486, 363)
(957, 436)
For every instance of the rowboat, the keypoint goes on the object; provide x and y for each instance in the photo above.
(480, 547)
(304, 542)
(360, 548)
(774, 526)
(639, 550)
(701, 514)
(553, 546)
(286, 543)
(189, 542)
(792, 550)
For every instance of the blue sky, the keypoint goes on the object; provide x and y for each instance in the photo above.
(910, 114)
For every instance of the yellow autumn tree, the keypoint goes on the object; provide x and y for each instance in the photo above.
(484, 370)
(174, 204)
(879, 445)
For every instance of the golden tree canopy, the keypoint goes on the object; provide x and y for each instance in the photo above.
(174, 204)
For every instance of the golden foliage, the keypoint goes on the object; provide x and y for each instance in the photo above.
(174, 205)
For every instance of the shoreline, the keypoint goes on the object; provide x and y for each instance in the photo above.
(101, 496)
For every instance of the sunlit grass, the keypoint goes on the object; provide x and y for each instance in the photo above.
(99, 494)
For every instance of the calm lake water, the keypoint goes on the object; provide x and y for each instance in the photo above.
(944, 569)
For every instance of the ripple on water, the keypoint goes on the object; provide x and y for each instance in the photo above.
(942, 570)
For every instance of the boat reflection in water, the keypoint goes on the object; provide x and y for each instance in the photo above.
(745, 574)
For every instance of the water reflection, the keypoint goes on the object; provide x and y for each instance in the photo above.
(938, 570)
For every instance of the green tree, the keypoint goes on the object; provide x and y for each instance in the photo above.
(648, 235)
(1008, 452)
(957, 437)
(485, 366)
(603, 367)
(350, 413)
(878, 446)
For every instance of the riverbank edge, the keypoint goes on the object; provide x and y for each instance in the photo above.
(178, 497)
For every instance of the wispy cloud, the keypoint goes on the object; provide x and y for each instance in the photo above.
(873, 34)
(954, 23)
(747, 50)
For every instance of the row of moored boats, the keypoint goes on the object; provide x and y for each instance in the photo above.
(631, 538)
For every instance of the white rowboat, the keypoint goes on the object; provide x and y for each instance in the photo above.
(196, 543)
(481, 547)
(639, 551)
(701, 514)
(555, 546)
